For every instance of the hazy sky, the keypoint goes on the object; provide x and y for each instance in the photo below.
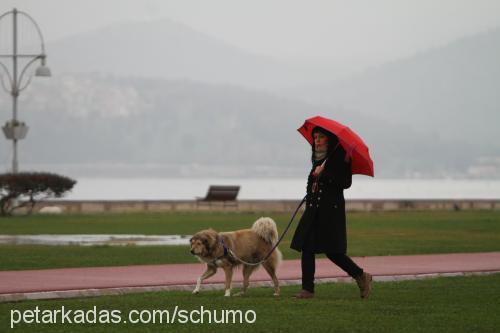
(324, 30)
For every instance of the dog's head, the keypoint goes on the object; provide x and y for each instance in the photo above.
(203, 243)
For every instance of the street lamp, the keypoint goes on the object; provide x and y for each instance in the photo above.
(16, 130)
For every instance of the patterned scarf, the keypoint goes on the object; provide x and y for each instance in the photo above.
(320, 154)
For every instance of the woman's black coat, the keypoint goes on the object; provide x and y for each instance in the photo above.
(322, 228)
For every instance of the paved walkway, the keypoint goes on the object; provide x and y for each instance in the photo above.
(77, 282)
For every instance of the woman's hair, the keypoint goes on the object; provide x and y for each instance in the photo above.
(332, 142)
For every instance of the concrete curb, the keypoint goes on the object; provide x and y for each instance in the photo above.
(272, 205)
(66, 294)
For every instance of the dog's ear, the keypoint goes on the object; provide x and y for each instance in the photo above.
(212, 237)
(207, 243)
(194, 237)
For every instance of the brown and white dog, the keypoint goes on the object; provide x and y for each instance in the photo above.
(250, 245)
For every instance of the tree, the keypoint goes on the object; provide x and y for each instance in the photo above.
(24, 189)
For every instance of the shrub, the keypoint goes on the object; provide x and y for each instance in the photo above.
(24, 189)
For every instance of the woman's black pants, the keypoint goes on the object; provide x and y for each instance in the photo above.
(308, 263)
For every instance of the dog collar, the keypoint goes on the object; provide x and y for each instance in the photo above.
(226, 251)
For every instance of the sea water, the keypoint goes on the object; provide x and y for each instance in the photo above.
(278, 188)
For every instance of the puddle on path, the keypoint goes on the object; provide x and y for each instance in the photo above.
(89, 240)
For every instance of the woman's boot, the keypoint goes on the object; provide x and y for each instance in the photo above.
(364, 282)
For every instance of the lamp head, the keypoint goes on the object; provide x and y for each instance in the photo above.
(43, 70)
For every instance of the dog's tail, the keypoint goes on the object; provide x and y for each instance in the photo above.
(265, 227)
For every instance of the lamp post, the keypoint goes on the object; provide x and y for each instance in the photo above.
(16, 130)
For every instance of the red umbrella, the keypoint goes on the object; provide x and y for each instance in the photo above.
(355, 148)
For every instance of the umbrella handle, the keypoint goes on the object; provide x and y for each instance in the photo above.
(316, 177)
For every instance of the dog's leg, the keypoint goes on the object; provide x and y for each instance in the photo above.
(229, 277)
(211, 270)
(270, 268)
(247, 271)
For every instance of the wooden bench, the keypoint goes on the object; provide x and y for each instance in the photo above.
(225, 194)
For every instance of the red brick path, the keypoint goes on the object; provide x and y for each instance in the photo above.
(29, 281)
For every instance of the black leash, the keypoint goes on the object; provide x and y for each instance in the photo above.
(227, 249)
(275, 246)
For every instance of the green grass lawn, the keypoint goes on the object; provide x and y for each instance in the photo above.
(377, 233)
(452, 304)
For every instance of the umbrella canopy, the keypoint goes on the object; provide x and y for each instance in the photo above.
(356, 149)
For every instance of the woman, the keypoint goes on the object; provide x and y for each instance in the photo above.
(322, 228)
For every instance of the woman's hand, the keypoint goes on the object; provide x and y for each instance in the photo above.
(319, 169)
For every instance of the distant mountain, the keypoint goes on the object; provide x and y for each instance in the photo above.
(448, 93)
(171, 50)
(189, 128)
(116, 99)
(104, 119)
